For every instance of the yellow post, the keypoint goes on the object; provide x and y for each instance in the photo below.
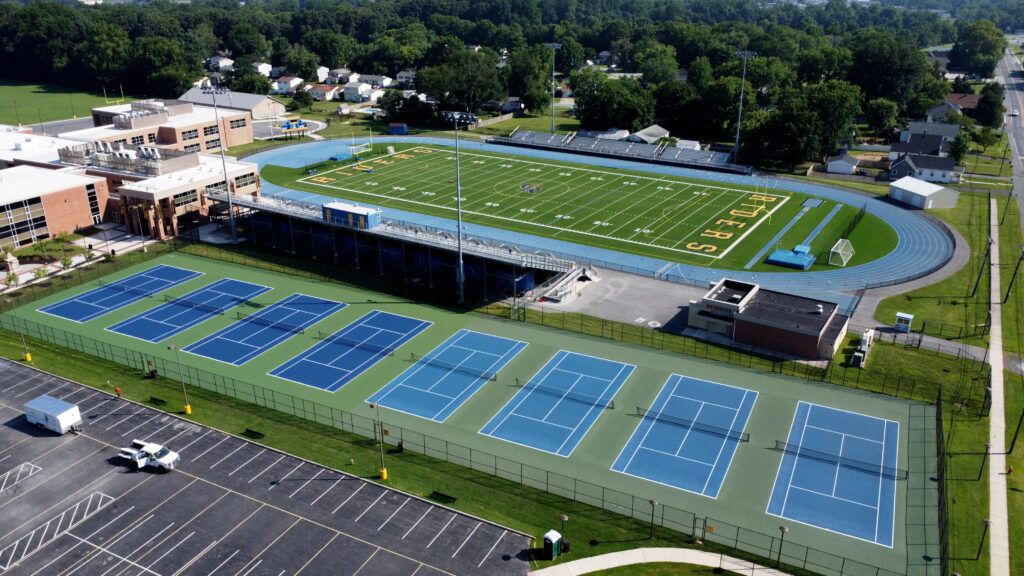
(383, 473)
(188, 409)
(28, 356)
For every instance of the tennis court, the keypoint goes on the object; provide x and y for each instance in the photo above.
(179, 314)
(340, 357)
(557, 407)
(689, 435)
(440, 382)
(838, 473)
(254, 334)
(118, 294)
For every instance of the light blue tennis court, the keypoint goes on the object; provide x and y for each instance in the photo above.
(688, 436)
(556, 408)
(254, 334)
(114, 295)
(349, 352)
(440, 382)
(839, 473)
(179, 314)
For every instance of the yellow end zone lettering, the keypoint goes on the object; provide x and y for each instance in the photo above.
(733, 223)
(702, 247)
(763, 198)
(322, 179)
(402, 156)
(716, 234)
(421, 151)
(743, 213)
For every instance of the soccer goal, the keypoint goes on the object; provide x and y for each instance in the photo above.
(841, 253)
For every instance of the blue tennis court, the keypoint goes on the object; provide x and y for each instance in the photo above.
(688, 436)
(349, 352)
(440, 382)
(114, 295)
(179, 314)
(838, 473)
(556, 408)
(254, 334)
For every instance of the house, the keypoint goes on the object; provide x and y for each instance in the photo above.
(922, 144)
(920, 194)
(511, 105)
(357, 91)
(842, 163)
(220, 63)
(375, 95)
(258, 106)
(376, 80)
(321, 74)
(342, 76)
(324, 92)
(286, 84)
(263, 68)
(928, 168)
(406, 77)
(648, 135)
(278, 71)
(956, 103)
(948, 132)
(604, 57)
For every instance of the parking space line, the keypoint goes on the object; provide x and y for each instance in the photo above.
(90, 535)
(151, 418)
(495, 545)
(140, 547)
(393, 513)
(260, 473)
(258, 562)
(361, 486)
(195, 558)
(417, 522)
(466, 539)
(28, 380)
(271, 543)
(228, 455)
(131, 527)
(201, 436)
(272, 484)
(306, 483)
(107, 551)
(226, 560)
(43, 383)
(442, 530)
(210, 448)
(190, 520)
(172, 438)
(257, 455)
(159, 430)
(222, 538)
(171, 549)
(365, 562)
(318, 552)
(329, 488)
(125, 419)
(374, 503)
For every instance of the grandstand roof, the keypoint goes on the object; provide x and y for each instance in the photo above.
(650, 135)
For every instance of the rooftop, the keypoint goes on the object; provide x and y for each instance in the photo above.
(731, 291)
(31, 148)
(208, 171)
(24, 182)
(236, 100)
(789, 310)
(927, 162)
(930, 144)
(916, 186)
(198, 115)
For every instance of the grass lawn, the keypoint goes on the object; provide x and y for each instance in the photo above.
(872, 189)
(564, 123)
(22, 103)
(661, 569)
(987, 166)
(255, 146)
(53, 249)
(1010, 241)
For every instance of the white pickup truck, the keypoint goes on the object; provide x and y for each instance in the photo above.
(142, 454)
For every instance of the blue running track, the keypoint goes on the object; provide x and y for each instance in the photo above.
(440, 382)
(255, 334)
(179, 314)
(110, 297)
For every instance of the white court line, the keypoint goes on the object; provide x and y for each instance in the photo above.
(493, 546)
(285, 477)
(393, 514)
(442, 530)
(361, 486)
(844, 433)
(466, 539)
(228, 455)
(260, 473)
(255, 456)
(372, 504)
(306, 483)
(324, 493)
(417, 522)
(676, 456)
(525, 417)
(808, 490)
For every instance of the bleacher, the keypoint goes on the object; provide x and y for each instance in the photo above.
(658, 153)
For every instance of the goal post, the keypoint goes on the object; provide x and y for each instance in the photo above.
(841, 252)
(360, 148)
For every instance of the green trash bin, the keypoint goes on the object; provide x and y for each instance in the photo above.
(552, 544)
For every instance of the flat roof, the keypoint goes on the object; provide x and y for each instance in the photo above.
(788, 310)
(730, 291)
(354, 208)
(917, 186)
(207, 172)
(24, 182)
(29, 147)
(199, 115)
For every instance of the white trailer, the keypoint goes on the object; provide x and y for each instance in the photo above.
(53, 414)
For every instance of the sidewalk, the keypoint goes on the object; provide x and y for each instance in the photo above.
(999, 535)
(647, 555)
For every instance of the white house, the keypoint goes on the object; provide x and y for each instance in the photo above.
(376, 80)
(342, 76)
(375, 95)
(357, 91)
(406, 77)
(219, 63)
(263, 68)
(324, 92)
(287, 84)
(929, 168)
(321, 74)
(921, 194)
(842, 163)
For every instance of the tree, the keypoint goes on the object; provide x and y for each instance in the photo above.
(676, 105)
(65, 263)
(302, 63)
(333, 50)
(243, 39)
(882, 115)
(401, 109)
(106, 54)
(959, 147)
(657, 63)
(615, 104)
(978, 48)
(835, 103)
(700, 73)
(301, 99)
(464, 83)
(986, 137)
(570, 56)
(961, 86)
(41, 272)
(11, 279)
(990, 108)
(529, 77)
(250, 81)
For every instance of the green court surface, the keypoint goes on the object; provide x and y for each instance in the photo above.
(747, 485)
(681, 220)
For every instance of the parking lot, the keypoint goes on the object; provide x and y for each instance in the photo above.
(233, 507)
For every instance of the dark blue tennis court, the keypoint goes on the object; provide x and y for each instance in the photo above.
(688, 436)
(114, 295)
(179, 314)
(557, 407)
(342, 356)
(440, 382)
(838, 473)
(254, 334)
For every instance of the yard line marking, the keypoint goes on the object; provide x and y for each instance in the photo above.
(240, 446)
(374, 503)
(361, 486)
(324, 493)
(257, 455)
(417, 522)
(495, 545)
(442, 530)
(393, 513)
(285, 477)
(260, 473)
(466, 539)
(306, 483)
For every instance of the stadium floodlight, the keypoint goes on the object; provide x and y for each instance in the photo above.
(554, 48)
(456, 119)
(213, 91)
(744, 54)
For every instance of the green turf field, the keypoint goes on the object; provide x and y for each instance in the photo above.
(746, 487)
(22, 103)
(679, 220)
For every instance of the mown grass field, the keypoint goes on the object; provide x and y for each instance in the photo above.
(22, 103)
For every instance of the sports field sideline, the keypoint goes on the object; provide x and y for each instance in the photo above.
(616, 416)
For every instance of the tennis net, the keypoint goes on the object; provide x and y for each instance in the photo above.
(568, 395)
(693, 425)
(479, 373)
(361, 344)
(869, 467)
(282, 326)
(197, 305)
(126, 289)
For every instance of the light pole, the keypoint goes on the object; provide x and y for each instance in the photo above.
(456, 117)
(380, 426)
(654, 504)
(181, 376)
(14, 318)
(782, 538)
(564, 518)
(743, 85)
(213, 91)
(554, 47)
(983, 534)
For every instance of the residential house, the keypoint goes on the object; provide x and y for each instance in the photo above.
(604, 57)
(263, 68)
(511, 105)
(357, 91)
(220, 63)
(321, 74)
(649, 135)
(342, 76)
(278, 71)
(406, 77)
(375, 95)
(928, 168)
(948, 132)
(286, 84)
(955, 103)
(257, 105)
(922, 144)
(842, 163)
(324, 92)
(376, 80)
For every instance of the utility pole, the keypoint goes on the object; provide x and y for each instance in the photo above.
(554, 47)
(744, 54)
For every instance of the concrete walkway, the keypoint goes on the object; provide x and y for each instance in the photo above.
(647, 555)
(998, 534)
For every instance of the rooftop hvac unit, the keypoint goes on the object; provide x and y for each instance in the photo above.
(156, 153)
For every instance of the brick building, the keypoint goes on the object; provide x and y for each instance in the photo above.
(39, 203)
